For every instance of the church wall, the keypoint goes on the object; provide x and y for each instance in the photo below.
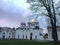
(59, 35)
(35, 34)
(50, 33)
(7, 35)
(25, 34)
(21, 34)
(17, 34)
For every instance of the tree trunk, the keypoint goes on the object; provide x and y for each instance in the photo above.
(54, 29)
(54, 35)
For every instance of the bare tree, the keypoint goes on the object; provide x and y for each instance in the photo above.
(49, 5)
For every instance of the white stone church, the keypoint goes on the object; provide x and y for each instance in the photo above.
(28, 31)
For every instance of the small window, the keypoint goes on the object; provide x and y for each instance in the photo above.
(3, 32)
(18, 36)
(31, 34)
(26, 36)
(37, 27)
(23, 36)
(40, 34)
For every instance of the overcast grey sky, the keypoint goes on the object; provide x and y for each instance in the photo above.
(13, 12)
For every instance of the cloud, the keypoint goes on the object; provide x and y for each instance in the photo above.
(12, 12)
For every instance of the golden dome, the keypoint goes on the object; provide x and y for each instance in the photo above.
(33, 20)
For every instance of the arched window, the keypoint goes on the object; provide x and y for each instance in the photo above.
(3, 32)
(35, 36)
(37, 27)
(40, 34)
(31, 34)
(23, 36)
(26, 36)
(3, 35)
(18, 36)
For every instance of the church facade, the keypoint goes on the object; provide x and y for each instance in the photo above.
(28, 31)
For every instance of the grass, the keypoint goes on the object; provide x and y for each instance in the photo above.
(23, 42)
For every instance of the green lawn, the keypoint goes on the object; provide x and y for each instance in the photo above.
(23, 42)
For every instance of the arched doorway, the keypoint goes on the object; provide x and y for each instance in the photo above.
(31, 36)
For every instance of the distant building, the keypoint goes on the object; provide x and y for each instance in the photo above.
(30, 31)
(6, 33)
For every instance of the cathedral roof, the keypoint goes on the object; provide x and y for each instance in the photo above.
(33, 20)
